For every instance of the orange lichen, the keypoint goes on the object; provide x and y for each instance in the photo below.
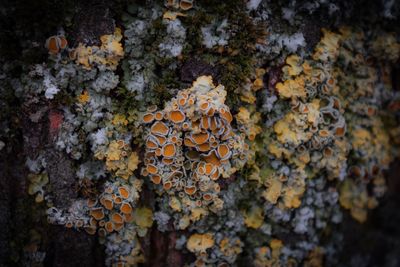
(117, 218)
(156, 179)
(107, 203)
(190, 190)
(148, 117)
(177, 116)
(123, 191)
(91, 203)
(159, 128)
(200, 138)
(115, 206)
(55, 44)
(168, 150)
(97, 213)
(126, 208)
(151, 169)
(223, 151)
(90, 230)
(194, 140)
(109, 227)
(186, 4)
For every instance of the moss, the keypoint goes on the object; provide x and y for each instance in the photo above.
(155, 36)
(125, 100)
(64, 98)
(158, 25)
(222, 8)
(238, 69)
(164, 85)
(193, 26)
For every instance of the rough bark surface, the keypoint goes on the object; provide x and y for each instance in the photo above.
(64, 247)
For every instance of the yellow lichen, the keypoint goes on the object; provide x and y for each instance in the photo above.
(143, 217)
(37, 182)
(84, 97)
(198, 243)
(278, 150)
(120, 119)
(249, 122)
(258, 83)
(254, 217)
(273, 191)
(294, 67)
(184, 222)
(197, 214)
(290, 130)
(292, 196)
(247, 96)
(315, 258)
(355, 198)
(108, 54)
(230, 247)
(276, 245)
(120, 159)
(133, 161)
(386, 47)
(269, 255)
(313, 113)
(171, 15)
(292, 88)
(361, 137)
(112, 45)
(135, 256)
(175, 204)
(328, 47)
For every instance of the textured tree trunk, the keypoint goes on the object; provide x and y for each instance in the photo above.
(21, 217)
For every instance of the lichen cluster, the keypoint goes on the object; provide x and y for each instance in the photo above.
(107, 55)
(251, 155)
(190, 145)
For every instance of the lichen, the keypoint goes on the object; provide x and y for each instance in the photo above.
(107, 55)
(37, 184)
(211, 122)
(190, 145)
